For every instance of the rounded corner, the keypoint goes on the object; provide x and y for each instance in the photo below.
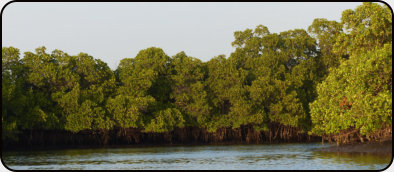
(8, 3)
(388, 165)
(3, 163)
(385, 3)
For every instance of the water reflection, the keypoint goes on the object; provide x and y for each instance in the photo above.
(281, 156)
(359, 159)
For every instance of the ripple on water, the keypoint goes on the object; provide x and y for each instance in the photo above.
(281, 156)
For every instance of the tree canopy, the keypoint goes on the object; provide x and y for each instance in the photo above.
(326, 79)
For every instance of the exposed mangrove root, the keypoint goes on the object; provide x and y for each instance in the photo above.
(189, 135)
(351, 136)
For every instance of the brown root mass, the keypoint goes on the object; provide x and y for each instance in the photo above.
(352, 136)
(131, 136)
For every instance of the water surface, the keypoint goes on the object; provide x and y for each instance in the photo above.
(278, 156)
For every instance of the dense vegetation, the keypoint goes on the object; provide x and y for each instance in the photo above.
(334, 77)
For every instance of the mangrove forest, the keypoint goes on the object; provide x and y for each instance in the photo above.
(330, 82)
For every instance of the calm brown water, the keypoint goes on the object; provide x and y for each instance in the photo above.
(278, 156)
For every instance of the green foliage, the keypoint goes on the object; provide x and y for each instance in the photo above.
(187, 88)
(165, 120)
(334, 77)
(358, 94)
(127, 111)
(326, 32)
(270, 74)
(368, 26)
(11, 92)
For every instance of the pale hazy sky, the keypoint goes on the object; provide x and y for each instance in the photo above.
(113, 31)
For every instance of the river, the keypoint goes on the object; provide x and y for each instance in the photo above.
(263, 156)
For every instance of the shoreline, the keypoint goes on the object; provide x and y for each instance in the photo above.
(367, 147)
(141, 146)
(135, 137)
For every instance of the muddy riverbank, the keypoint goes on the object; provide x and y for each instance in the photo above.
(367, 147)
(179, 136)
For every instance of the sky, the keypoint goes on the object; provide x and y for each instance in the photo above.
(113, 31)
